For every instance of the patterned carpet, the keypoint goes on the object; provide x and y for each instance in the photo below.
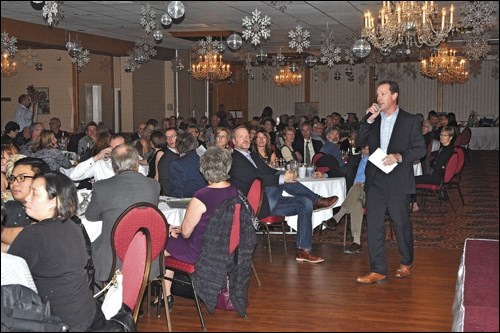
(479, 218)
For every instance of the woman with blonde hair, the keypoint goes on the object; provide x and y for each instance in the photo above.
(287, 150)
(8, 150)
(222, 135)
(46, 148)
(261, 144)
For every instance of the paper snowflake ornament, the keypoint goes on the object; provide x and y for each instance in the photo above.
(81, 59)
(320, 74)
(349, 54)
(9, 44)
(29, 58)
(209, 46)
(52, 12)
(256, 27)
(148, 16)
(330, 54)
(299, 39)
(409, 70)
(479, 15)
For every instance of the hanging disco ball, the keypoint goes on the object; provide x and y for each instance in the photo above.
(158, 35)
(175, 9)
(337, 75)
(294, 68)
(385, 52)
(311, 61)
(234, 41)
(166, 19)
(361, 48)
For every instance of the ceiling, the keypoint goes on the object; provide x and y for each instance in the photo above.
(120, 20)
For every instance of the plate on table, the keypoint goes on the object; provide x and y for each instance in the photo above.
(175, 202)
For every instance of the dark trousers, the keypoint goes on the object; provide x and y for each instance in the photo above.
(380, 200)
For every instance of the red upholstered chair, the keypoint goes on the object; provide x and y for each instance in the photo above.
(465, 137)
(455, 182)
(315, 159)
(255, 195)
(135, 270)
(140, 215)
(188, 269)
(434, 189)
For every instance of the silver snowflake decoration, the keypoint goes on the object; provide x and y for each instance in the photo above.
(281, 5)
(362, 79)
(266, 74)
(9, 44)
(349, 55)
(409, 70)
(81, 59)
(476, 47)
(373, 59)
(299, 39)
(209, 46)
(320, 74)
(29, 58)
(148, 16)
(146, 47)
(330, 54)
(53, 12)
(479, 15)
(256, 27)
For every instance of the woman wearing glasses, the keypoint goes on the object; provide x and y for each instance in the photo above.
(222, 135)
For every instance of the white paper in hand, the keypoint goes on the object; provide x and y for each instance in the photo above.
(377, 157)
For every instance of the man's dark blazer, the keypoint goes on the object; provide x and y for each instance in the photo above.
(110, 198)
(406, 139)
(243, 173)
(298, 146)
(164, 170)
(185, 176)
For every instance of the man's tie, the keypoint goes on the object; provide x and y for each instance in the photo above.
(307, 160)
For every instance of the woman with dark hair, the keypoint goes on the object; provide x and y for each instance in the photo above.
(261, 144)
(46, 148)
(269, 125)
(55, 251)
(266, 113)
(102, 142)
(157, 142)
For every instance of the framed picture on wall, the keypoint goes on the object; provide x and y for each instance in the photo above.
(43, 100)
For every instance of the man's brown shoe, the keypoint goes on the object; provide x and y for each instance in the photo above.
(372, 278)
(403, 271)
(307, 256)
(323, 203)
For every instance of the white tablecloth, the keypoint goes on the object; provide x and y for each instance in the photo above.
(484, 138)
(326, 187)
(174, 217)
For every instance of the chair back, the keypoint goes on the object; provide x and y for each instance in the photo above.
(135, 270)
(316, 157)
(450, 168)
(465, 136)
(137, 216)
(255, 195)
(461, 159)
(458, 140)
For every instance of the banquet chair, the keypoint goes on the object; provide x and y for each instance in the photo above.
(255, 196)
(187, 269)
(433, 189)
(455, 182)
(348, 221)
(465, 137)
(136, 216)
(135, 269)
(315, 159)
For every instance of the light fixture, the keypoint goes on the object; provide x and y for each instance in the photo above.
(286, 78)
(8, 65)
(446, 67)
(407, 23)
(210, 67)
(175, 9)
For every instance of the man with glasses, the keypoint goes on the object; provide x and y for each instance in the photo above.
(169, 154)
(20, 182)
(317, 132)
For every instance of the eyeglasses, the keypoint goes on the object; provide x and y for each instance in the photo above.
(20, 178)
(171, 137)
(221, 137)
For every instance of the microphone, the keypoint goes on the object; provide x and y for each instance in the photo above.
(369, 114)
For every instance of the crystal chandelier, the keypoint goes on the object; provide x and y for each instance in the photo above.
(408, 23)
(210, 67)
(446, 67)
(286, 78)
(8, 65)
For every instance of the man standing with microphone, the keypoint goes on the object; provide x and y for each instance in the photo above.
(398, 134)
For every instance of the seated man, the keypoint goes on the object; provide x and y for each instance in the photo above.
(247, 166)
(353, 204)
(112, 196)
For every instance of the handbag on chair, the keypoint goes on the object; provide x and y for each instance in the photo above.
(223, 300)
(114, 297)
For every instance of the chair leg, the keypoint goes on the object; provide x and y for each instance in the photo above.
(198, 306)
(150, 284)
(268, 242)
(256, 275)
(461, 196)
(284, 236)
(439, 202)
(167, 310)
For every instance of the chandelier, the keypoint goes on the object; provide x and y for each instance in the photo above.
(286, 78)
(446, 67)
(408, 23)
(210, 67)
(8, 65)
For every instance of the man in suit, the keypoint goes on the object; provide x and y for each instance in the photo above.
(112, 196)
(247, 166)
(305, 144)
(169, 154)
(399, 135)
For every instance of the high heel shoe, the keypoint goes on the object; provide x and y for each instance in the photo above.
(170, 302)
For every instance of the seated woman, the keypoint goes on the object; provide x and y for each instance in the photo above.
(261, 144)
(222, 138)
(54, 249)
(438, 165)
(157, 142)
(8, 150)
(185, 175)
(47, 149)
(214, 165)
(287, 150)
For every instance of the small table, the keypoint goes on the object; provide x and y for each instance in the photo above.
(484, 138)
(326, 187)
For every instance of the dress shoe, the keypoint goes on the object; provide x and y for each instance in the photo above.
(307, 256)
(323, 203)
(403, 271)
(372, 278)
(331, 223)
(353, 248)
